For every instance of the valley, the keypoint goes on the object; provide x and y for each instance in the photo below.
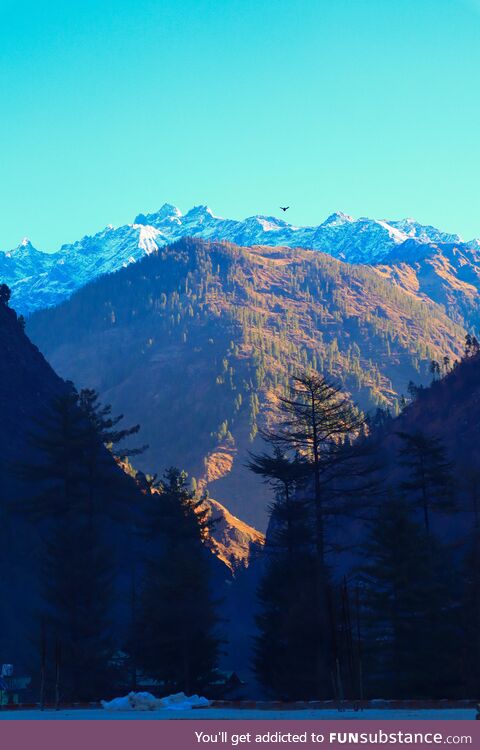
(198, 339)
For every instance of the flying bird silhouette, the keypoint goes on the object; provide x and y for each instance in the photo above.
(284, 208)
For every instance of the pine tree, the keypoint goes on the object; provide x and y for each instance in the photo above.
(469, 577)
(77, 597)
(429, 485)
(289, 514)
(76, 562)
(105, 425)
(434, 369)
(177, 621)
(5, 295)
(409, 609)
(287, 644)
(472, 346)
(320, 424)
(59, 478)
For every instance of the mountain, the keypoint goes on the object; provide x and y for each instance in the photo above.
(447, 412)
(448, 409)
(423, 233)
(447, 273)
(233, 542)
(195, 341)
(28, 384)
(40, 280)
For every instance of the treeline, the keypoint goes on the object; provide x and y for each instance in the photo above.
(122, 567)
(126, 585)
(311, 311)
(371, 586)
(364, 592)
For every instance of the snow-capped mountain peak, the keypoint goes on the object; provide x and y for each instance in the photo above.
(24, 252)
(200, 214)
(422, 233)
(166, 214)
(337, 219)
(270, 223)
(43, 279)
(25, 246)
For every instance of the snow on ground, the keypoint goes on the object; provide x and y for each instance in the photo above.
(241, 714)
(148, 702)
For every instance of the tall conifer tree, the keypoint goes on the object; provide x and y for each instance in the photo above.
(319, 423)
(287, 644)
(429, 483)
(178, 641)
(409, 610)
(67, 506)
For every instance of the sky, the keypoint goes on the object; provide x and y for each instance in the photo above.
(109, 108)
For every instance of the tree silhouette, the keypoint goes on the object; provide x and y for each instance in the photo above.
(5, 295)
(105, 425)
(410, 623)
(429, 483)
(319, 423)
(434, 369)
(177, 620)
(75, 560)
(285, 475)
(287, 645)
(472, 345)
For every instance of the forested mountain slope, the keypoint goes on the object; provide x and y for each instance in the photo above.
(446, 273)
(28, 389)
(39, 279)
(61, 489)
(27, 386)
(450, 410)
(194, 341)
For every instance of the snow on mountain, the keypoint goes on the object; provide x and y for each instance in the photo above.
(40, 279)
(21, 264)
(413, 229)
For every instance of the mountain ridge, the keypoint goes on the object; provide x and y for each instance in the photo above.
(28, 386)
(40, 280)
(194, 341)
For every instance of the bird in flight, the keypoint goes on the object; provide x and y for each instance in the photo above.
(284, 208)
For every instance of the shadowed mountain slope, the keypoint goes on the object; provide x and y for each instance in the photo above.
(195, 341)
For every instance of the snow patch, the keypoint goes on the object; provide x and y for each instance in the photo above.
(394, 233)
(146, 240)
(148, 702)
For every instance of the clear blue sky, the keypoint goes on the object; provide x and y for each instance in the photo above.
(112, 107)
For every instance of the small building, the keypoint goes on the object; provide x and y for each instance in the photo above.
(14, 688)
